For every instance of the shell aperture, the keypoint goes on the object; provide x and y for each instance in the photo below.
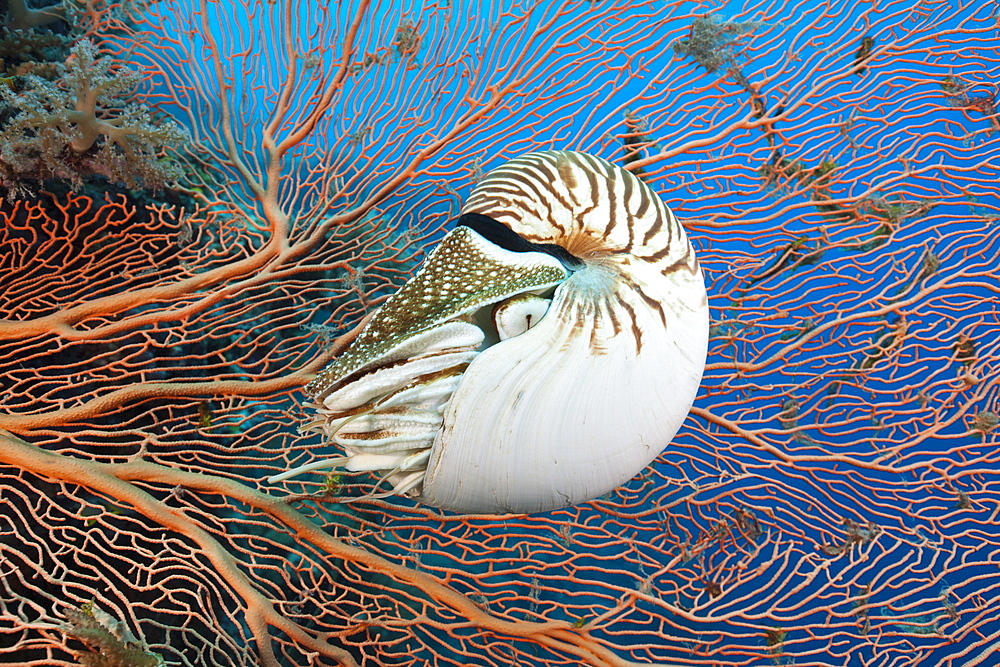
(507, 380)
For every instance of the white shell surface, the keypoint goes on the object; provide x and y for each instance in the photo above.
(572, 408)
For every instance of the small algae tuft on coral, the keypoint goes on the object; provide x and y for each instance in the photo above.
(109, 642)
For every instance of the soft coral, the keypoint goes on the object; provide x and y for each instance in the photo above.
(78, 125)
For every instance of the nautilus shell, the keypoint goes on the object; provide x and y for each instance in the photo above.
(545, 353)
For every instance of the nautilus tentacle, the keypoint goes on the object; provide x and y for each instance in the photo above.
(548, 350)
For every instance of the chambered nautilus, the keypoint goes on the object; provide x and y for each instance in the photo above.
(545, 353)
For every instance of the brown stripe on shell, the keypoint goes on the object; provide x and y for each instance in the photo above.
(616, 325)
(657, 225)
(664, 252)
(689, 262)
(582, 241)
(673, 225)
(524, 193)
(571, 316)
(562, 165)
(650, 301)
(627, 198)
(636, 331)
(579, 316)
(644, 203)
(595, 202)
(584, 244)
(595, 346)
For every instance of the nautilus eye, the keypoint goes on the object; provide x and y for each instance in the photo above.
(546, 352)
(517, 314)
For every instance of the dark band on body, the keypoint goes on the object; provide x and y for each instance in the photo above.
(508, 239)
